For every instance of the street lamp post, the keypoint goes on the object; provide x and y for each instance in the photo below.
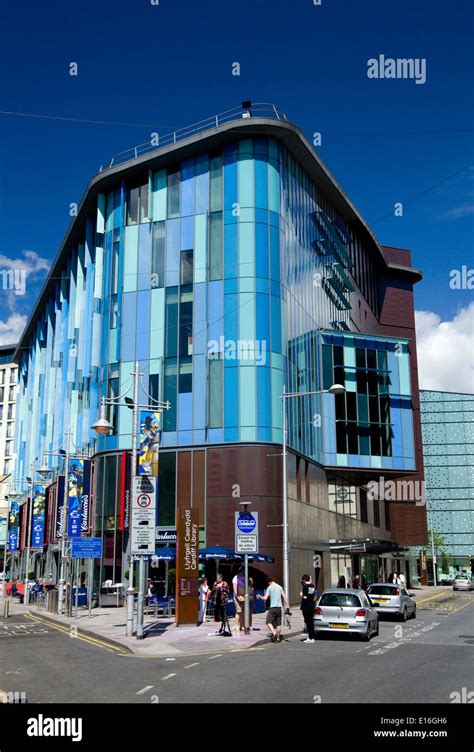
(102, 427)
(245, 505)
(334, 389)
(433, 551)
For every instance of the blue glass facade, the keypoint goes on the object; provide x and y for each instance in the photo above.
(201, 273)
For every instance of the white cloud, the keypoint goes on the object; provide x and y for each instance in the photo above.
(446, 351)
(458, 212)
(30, 263)
(11, 329)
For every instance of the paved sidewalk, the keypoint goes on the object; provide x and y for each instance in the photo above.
(163, 639)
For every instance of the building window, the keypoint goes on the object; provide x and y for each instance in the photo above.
(185, 377)
(216, 374)
(113, 391)
(115, 262)
(342, 499)
(9, 434)
(2, 393)
(154, 386)
(186, 267)
(7, 466)
(137, 204)
(13, 375)
(158, 255)
(173, 194)
(362, 416)
(171, 320)
(216, 184)
(185, 329)
(2, 376)
(8, 448)
(114, 311)
(215, 246)
(132, 206)
(10, 415)
(170, 394)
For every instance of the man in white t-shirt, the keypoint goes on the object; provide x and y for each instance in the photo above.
(277, 597)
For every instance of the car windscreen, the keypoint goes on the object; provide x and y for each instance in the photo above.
(382, 590)
(339, 599)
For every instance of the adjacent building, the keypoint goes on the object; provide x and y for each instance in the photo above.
(447, 420)
(8, 391)
(230, 264)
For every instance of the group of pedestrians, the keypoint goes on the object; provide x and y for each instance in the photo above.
(220, 592)
(397, 578)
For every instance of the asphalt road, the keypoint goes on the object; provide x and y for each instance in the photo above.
(424, 660)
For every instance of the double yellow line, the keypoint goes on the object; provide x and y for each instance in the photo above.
(77, 635)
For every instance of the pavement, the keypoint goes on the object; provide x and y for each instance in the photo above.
(164, 639)
(429, 659)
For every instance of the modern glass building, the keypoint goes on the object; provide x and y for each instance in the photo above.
(8, 393)
(447, 421)
(229, 264)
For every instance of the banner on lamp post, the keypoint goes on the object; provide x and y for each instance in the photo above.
(148, 443)
(13, 527)
(75, 481)
(38, 517)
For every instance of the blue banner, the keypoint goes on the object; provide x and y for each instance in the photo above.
(75, 484)
(14, 526)
(38, 517)
(60, 510)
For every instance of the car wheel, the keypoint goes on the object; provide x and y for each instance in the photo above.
(413, 616)
(403, 615)
(366, 637)
(376, 633)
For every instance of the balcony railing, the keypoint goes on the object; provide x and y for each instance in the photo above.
(260, 109)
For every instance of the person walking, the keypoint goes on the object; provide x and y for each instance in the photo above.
(308, 597)
(275, 594)
(402, 579)
(203, 599)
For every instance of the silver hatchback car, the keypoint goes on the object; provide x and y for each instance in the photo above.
(462, 582)
(347, 611)
(392, 599)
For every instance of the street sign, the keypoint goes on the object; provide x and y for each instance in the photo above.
(357, 548)
(166, 536)
(86, 548)
(143, 516)
(246, 532)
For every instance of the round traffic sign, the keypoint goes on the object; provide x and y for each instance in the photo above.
(246, 523)
(143, 501)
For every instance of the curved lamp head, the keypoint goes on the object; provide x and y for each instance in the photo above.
(102, 426)
(337, 389)
(44, 471)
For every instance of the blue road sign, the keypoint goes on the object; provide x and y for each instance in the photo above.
(246, 522)
(86, 548)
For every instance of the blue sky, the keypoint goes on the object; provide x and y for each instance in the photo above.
(171, 65)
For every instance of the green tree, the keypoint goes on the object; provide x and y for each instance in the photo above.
(439, 544)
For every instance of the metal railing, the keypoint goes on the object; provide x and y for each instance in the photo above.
(260, 109)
